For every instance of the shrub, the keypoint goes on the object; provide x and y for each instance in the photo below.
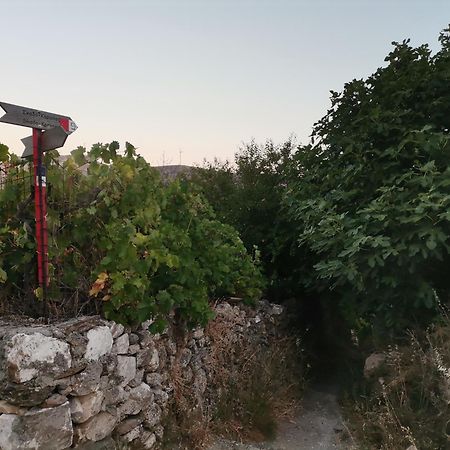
(370, 196)
(120, 237)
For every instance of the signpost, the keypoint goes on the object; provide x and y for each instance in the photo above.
(50, 131)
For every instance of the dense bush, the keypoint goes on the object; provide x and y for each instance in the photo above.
(248, 195)
(120, 236)
(370, 196)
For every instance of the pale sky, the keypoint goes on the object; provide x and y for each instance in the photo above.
(199, 77)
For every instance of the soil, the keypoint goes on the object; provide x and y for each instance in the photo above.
(318, 426)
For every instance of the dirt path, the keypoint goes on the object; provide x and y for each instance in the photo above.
(319, 426)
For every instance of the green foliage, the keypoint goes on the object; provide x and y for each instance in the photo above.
(144, 249)
(370, 197)
(248, 195)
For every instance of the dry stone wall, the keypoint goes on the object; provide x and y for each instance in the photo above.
(92, 384)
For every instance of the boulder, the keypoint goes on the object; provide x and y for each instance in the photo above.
(42, 429)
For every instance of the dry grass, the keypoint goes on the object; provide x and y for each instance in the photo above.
(252, 383)
(256, 382)
(408, 404)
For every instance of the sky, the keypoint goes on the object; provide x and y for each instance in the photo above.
(189, 80)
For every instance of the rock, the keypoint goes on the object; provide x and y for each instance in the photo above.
(96, 428)
(152, 415)
(8, 408)
(87, 381)
(84, 407)
(127, 425)
(137, 380)
(373, 364)
(161, 397)
(154, 379)
(54, 400)
(27, 394)
(139, 399)
(276, 310)
(133, 349)
(29, 355)
(198, 334)
(133, 434)
(121, 345)
(99, 343)
(148, 440)
(185, 357)
(159, 431)
(148, 359)
(42, 429)
(134, 339)
(105, 444)
(115, 395)
(412, 447)
(117, 329)
(77, 344)
(126, 369)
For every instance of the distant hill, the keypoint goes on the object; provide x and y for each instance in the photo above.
(169, 173)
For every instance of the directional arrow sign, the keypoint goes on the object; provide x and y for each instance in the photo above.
(51, 139)
(33, 118)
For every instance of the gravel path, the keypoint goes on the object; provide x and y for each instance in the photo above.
(319, 426)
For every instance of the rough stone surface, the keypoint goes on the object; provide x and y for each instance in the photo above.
(117, 330)
(27, 355)
(43, 429)
(154, 379)
(127, 425)
(373, 364)
(82, 381)
(99, 343)
(54, 400)
(87, 381)
(152, 415)
(97, 428)
(126, 369)
(148, 440)
(84, 407)
(121, 345)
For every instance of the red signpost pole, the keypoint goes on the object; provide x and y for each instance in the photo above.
(40, 205)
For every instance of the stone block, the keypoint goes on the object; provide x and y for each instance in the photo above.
(30, 355)
(84, 407)
(126, 369)
(121, 345)
(96, 428)
(41, 429)
(99, 343)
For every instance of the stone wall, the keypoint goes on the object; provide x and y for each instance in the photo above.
(92, 384)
